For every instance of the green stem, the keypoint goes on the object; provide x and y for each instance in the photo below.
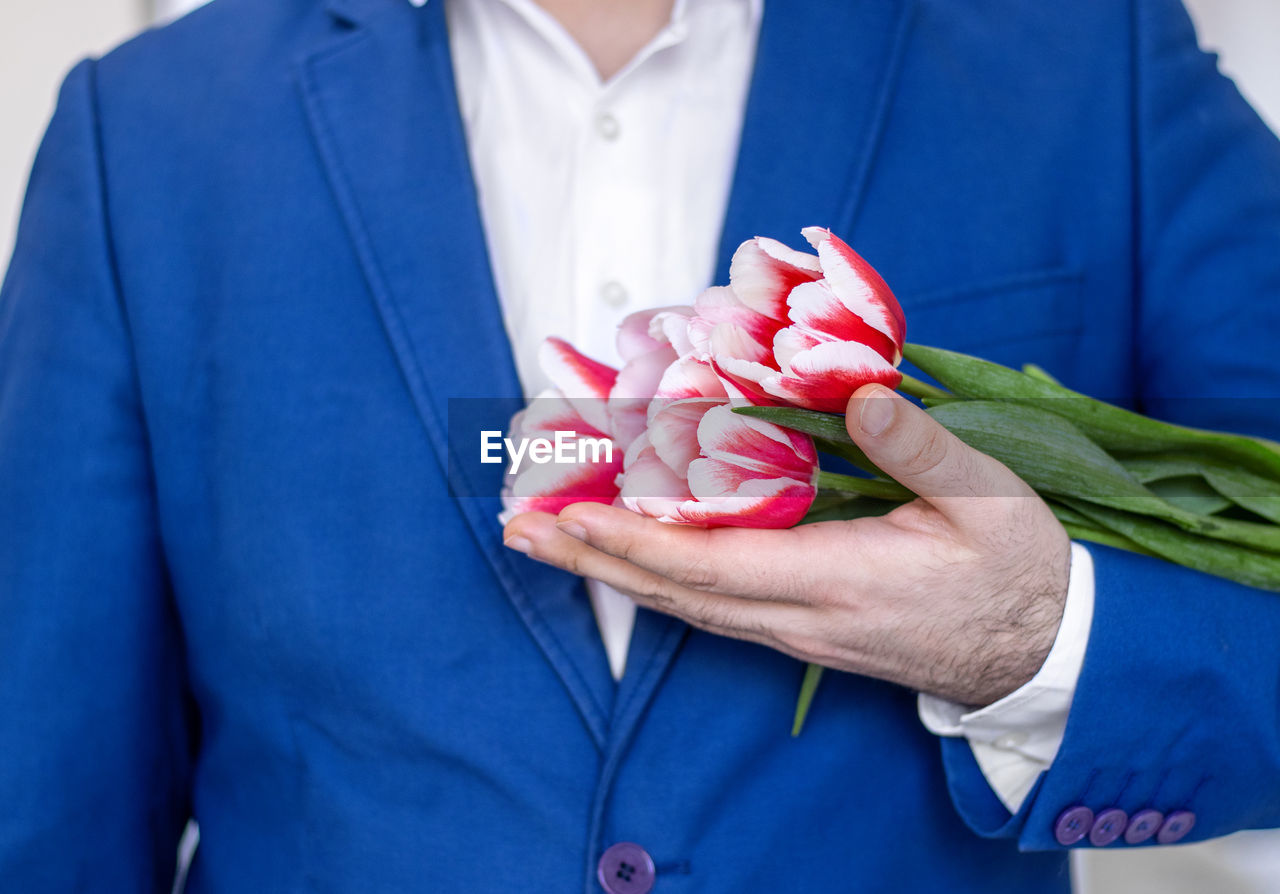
(812, 674)
(1105, 538)
(916, 388)
(863, 487)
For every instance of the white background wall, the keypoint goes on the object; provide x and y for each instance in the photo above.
(41, 39)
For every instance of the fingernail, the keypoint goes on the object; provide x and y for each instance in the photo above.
(877, 413)
(573, 529)
(519, 544)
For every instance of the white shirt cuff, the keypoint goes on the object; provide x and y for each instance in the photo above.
(1015, 739)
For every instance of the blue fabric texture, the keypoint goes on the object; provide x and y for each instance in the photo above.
(237, 580)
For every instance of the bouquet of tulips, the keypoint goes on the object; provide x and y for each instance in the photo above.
(721, 411)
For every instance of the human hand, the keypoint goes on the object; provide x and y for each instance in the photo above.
(958, 593)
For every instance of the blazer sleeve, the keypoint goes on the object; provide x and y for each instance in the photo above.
(1177, 708)
(95, 727)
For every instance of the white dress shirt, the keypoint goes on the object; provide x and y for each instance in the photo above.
(600, 198)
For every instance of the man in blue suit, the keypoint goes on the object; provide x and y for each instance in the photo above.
(238, 583)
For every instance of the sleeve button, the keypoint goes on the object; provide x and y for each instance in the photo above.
(1142, 826)
(1109, 826)
(1176, 826)
(1073, 825)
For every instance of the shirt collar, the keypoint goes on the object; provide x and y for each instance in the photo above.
(550, 29)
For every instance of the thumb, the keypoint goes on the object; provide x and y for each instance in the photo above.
(917, 452)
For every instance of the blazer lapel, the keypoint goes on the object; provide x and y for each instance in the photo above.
(823, 83)
(381, 103)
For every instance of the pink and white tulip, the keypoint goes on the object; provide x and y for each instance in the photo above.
(800, 329)
(790, 328)
(699, 463)
(658, 362)
(577, 403)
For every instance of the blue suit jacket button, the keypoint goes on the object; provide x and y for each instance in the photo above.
(626, 868)
(1108, 826)
(1142, 826)
(1176, 826)
(1073, 824)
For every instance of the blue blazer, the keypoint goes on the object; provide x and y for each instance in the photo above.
(237, 581)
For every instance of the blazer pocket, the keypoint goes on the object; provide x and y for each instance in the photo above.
(1018, 312)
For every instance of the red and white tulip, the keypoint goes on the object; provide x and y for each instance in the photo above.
(578, 403)
(790, 328)
(800, 329)
(699, 463)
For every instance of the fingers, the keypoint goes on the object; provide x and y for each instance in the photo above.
(537, 535)
(772, 565)
(916, 451)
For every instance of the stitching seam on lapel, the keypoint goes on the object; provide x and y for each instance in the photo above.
(337, 178)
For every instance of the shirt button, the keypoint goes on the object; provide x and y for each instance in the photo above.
(626, 868)
(1010, 741)
(607, 126)
(613, 293)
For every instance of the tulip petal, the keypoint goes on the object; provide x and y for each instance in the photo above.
(637, 383)
(551, 412)
(689, 377)
(633, 337)
(824, 377)
(672, 327)
(763, 271)
(550, 487)
(650, 487)
(584, 382)
(673, 430)
(818, 314)
(648, 330)
(720, 305)
(742, 378)
(791, 341)
(859, 287)
(755, 503)
(761, 448)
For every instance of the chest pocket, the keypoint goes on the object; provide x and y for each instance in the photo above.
(1035, 317)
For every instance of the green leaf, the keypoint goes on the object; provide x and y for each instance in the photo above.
(1111, 427)
(1054, 457)
(1190, 492)
(912, 386)
(845, 509)
(1038, 372)
(1051, 453)
(850, 453)
(827, 430)
(1047, 452)
(875, 488)
(1258, 495)
(828, 426)
(1079, 527)
(1227, 560)
(1248, 491)
(808, 687)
